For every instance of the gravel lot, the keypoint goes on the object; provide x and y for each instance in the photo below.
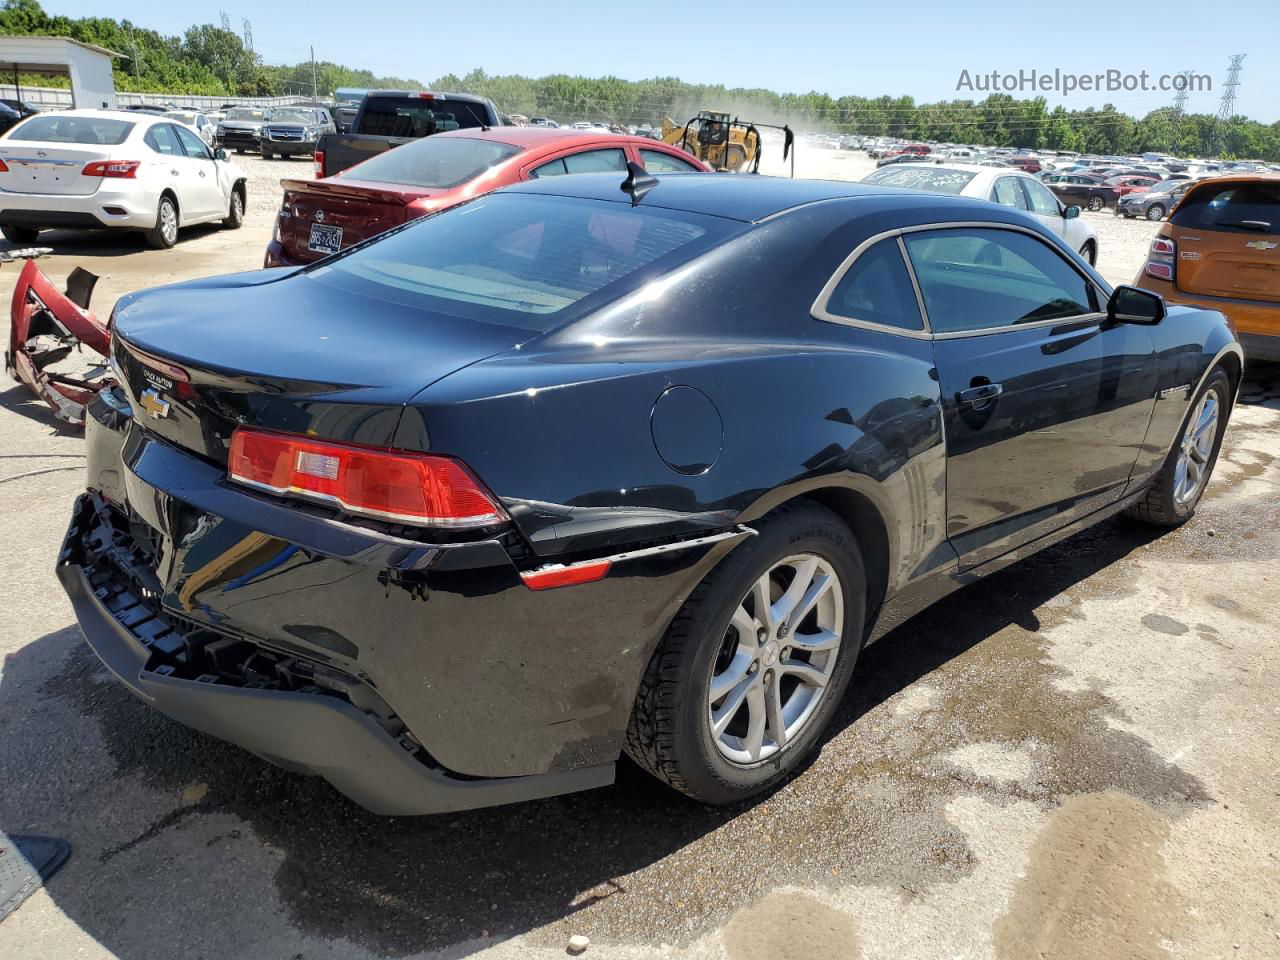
(1073, 758)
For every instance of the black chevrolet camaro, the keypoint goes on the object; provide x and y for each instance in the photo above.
(460, 515)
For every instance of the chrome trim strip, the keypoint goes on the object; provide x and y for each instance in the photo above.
(452, 523)
(739, 531)
(819, 309)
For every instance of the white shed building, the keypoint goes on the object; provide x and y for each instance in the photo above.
(88, 66)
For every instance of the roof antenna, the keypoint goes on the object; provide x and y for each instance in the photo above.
(638, 182)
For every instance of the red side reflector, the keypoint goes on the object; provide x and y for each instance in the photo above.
(552, 577)
(122, 169)
(403, 487)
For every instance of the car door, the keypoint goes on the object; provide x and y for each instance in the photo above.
(1044, 206)
(1006, 191)
(175, 170)
(209, 197)
(1045, 405)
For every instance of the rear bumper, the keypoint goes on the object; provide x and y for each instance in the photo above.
(1257, 324)
(277, 256)
(104, 208)
(309, 733)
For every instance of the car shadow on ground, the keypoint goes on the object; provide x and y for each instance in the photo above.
(405, 885)
(102, 243)
(24, 402)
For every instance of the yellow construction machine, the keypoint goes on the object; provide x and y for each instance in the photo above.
(727, 145)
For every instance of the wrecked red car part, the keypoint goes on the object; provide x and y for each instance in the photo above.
(46, 325)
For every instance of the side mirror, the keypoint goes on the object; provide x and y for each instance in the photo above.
(219, 154)
(1070, 213)
(1132, 305)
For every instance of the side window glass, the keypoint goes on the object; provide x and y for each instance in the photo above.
(655, 161)
(191, 144)
(553, 169)
(1042, 199)
(1007, 192)
(161, 139)
(596, 161)
(975, 278)
(877, 289)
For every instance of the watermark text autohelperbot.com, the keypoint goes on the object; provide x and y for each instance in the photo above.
(1064, 83)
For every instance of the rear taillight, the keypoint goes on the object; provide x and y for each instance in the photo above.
(124, 169)
(4, 168)
(1160, 260)
(319, 158)
(413, 488)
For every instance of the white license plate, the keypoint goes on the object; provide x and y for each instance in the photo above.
(325, 239)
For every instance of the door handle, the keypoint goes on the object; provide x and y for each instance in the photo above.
(174, 172)
(202, 173)
(980, 395)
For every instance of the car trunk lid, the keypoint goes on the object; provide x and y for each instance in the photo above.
(283, 353)
(319, 218)
(1228, 240)
(48, 168)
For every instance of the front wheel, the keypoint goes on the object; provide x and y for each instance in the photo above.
(1172, 498)
(753, 667)
(20, 234)
(267, 154)
(1090, 254)
(1155, 212)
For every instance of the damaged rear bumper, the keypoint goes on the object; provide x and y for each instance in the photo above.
(316, 728)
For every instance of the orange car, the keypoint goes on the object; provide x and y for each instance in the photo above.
(1221, 249)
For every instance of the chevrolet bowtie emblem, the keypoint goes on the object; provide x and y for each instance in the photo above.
(1261, 245)
(155, 405)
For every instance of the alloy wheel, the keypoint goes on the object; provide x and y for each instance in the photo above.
(1095, 204)
(168, 222)
(776, 659)
(1197, 448)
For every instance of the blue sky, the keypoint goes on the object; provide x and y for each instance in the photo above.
(917, 48)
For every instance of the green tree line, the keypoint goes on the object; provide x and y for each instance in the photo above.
(209, 60)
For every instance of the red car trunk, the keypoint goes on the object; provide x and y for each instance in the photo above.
(319, 217)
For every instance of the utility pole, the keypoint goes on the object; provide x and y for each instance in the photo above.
(1180, 98)
(1227, 106)
(314, 92)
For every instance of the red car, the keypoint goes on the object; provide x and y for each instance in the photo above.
(321, 217)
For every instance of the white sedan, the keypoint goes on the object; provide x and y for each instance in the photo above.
(1005, 185)
(109, 168)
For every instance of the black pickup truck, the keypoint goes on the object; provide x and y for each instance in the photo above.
(388, 118)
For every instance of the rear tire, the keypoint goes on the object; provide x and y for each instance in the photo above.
(1095, 204)
(165, 233)
(716, 639)
(234, 219)
(267, 154)
(1171, 500)
(20, 234)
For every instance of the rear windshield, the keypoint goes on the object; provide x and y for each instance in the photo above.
(439, 162)
(524, 260)
(52, 128)
(414, 117)
(921, 177)
(1236, 207)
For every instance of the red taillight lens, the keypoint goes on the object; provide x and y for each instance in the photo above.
(425, 96)
(402, 487)
(4, 167)
(1160, 261)
(125, 169)
(319, 158)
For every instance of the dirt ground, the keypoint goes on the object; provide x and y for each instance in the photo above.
(1075, 758)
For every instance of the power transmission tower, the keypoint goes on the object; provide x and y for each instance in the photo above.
(1227, 106)
(226, 21)
(1180, 98)
(248, 36)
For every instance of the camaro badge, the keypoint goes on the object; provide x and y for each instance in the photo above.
(156, 405)
(1261, 244)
